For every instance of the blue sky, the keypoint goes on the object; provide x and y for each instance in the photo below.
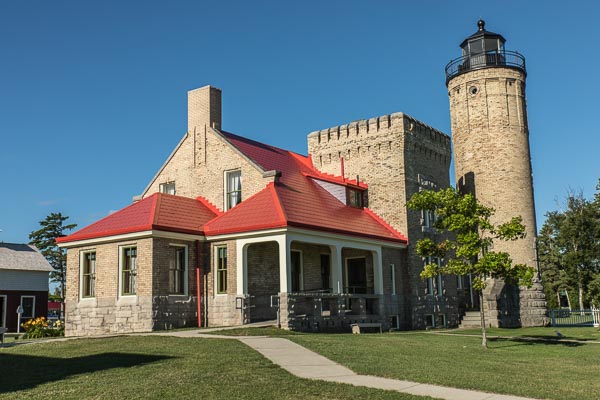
(93, 94)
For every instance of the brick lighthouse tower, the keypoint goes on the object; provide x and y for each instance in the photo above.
(486, 88)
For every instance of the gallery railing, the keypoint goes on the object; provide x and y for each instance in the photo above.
(472, 62)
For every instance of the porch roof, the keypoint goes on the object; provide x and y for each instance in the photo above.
(159, 211)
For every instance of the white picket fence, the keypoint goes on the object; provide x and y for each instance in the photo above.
(596, 315)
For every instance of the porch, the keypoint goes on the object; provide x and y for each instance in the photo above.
(313, 282)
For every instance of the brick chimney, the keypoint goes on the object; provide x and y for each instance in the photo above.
(204, 108)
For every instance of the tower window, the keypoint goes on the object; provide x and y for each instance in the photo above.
(473, 90)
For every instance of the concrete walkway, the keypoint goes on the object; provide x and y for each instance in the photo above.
(305, 363)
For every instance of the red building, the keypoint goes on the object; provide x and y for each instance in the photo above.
(23, 282)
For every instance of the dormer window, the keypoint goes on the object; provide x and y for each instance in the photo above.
(233, 188)
(355, 198)
(167, 187)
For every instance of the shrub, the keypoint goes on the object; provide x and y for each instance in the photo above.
(40, 327)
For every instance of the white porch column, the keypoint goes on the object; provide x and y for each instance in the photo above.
(336, 269)
(377, 271)
(285, 267)
(242, 267)
(242, 259)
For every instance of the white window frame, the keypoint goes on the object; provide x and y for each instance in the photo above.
(186, 270)
(301, 283)
(439, 286)
(216, 270)
(121, 260)
(430, 287)
(226, 191)
(32, 308)
(429, 218)
(164, 187)
(3, 321)
(82, 256)
(434, 287)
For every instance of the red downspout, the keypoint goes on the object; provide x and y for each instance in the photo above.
(198, 286)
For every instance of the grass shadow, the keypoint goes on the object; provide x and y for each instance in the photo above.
(20, 372)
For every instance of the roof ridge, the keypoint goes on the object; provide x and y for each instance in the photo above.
(278, 206)
(209, 205)
(385, 224)
(225, 213)
(153, 214)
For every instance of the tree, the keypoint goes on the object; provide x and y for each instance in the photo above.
(45, 240)
(468, 251)
(570, 250)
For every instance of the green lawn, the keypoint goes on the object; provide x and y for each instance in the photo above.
(552, 369)
(153, 367)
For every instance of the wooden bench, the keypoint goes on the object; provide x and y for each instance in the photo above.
(356, 327)
(2, 332)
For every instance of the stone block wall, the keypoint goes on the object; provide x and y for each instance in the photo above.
(221, 308)
(396, 155)
(311, 264)
(108, 311)
(263, 279)
(173, 310)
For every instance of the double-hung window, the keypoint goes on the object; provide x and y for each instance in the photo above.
(355, 198)
(233, 188)
(167, 187)
(434, 285)
(429, 218)
(177, 270)
(88, 274)
(28, 305)
(221, 269)
(128, 270)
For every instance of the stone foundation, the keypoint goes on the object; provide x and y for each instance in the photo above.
(221, 311)
(104, 316)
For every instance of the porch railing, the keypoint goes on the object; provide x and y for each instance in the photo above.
(328, 311)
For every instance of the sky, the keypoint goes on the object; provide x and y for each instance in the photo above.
(93, 94)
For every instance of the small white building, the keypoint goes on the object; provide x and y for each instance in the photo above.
(23, 282)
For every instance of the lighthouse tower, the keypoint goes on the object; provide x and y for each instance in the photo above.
(490, 135)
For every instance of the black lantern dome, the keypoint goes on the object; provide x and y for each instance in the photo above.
(483, 49)
(482, 41)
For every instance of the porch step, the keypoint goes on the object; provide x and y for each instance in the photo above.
(472, 319)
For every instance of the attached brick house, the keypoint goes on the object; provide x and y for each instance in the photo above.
(23, 282)
(242, 225)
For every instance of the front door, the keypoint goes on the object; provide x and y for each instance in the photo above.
(297, 281)
(325, 272)
(356, 269)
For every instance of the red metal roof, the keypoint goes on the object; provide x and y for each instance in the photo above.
(296, 200)
(159, 211)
